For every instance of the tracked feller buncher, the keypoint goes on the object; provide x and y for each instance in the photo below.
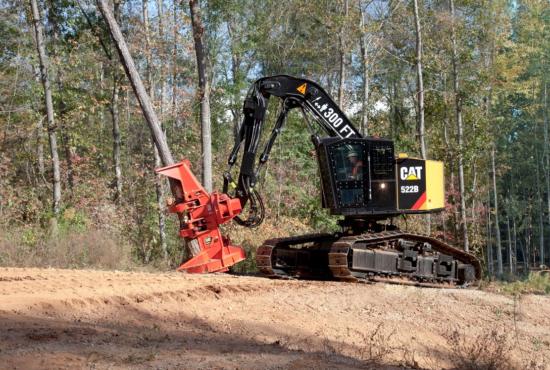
(361, 179)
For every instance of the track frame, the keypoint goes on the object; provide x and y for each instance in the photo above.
(336, 257)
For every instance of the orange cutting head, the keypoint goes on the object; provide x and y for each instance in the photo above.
(200, 215)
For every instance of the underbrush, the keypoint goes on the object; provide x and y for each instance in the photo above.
(372, 348)
(492, 349)
(534, 283)
(73, 248)
(76, 242)
(487, 351)
(459, 348)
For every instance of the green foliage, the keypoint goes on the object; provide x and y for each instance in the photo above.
(534, 283)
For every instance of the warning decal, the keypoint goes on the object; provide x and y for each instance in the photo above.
(420, 202)
(302, 88)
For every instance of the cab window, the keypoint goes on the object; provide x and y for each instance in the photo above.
(350, 163)
(350, 167)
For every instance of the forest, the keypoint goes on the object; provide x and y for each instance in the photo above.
(461, 81)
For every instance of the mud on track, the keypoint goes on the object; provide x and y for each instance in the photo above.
(66, 319)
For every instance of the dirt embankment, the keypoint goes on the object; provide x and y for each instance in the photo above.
(66, 319)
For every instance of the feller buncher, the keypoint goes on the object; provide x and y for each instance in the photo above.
(361, 179)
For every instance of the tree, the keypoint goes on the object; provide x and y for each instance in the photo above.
(419, 82)
(44, 67)
(365, 64)
(137, 85)
(342, 54)
(114, 97)
(54, 19)
(460, 129)
(151, 91)
(500, 269)
(420, 93)
(203, 93)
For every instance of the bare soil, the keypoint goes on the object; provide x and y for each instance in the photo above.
(70, 319)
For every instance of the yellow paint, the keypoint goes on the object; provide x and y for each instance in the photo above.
(435, 185)
(402, 155)
(411, 177)
(302, 88)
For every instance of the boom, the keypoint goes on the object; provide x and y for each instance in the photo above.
(294, 93)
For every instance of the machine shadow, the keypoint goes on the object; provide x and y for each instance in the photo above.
(132, 338)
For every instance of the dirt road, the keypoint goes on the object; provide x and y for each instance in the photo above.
(66, 319)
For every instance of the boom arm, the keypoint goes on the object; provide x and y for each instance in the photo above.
(295, 93)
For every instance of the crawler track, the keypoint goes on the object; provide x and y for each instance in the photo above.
(389, 256)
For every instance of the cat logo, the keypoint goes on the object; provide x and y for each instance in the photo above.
(302, 88)
(411, 173)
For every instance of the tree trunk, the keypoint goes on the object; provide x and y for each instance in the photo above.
(420, 94)
(500, 269)
(473, 211)
(203, 94)
(63, 127)
(65, 136)
(137, 85)
(174, 64)
(159, 191)
(162, 76)
(116, 137)
(342, 74)
(419, 82)
(40, 146)
(235, 74)
(148, 54)
(458, 111)
(510, 255)
(342, 56)
(159, 183)
(66, 145)
(530, 243)
(366, 77)
(115, 98)
(516, 243)
(115, 113)
(541, 222)
(528, 240)
(546, 150)
(44, 67)
(490, 260)
(449, 158)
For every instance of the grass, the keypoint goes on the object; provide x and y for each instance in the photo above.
(89, 248)
(534, 283)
